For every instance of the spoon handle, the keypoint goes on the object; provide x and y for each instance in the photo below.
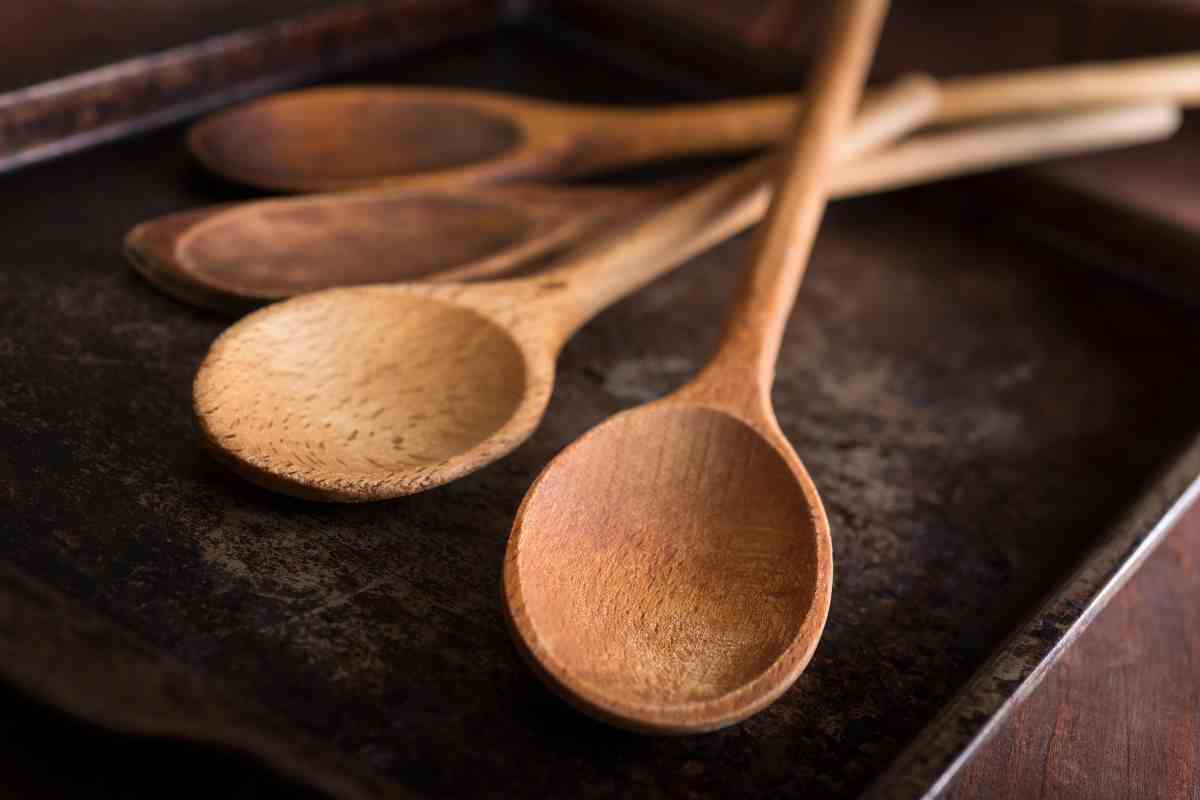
(1173, 78)
(619, 262)
(977, 148)
(622, 137)
(779, 254)
(625, 137)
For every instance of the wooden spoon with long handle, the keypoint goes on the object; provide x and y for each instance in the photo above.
(671, 570)
(235, 258)
(350, 137)
(373, 392)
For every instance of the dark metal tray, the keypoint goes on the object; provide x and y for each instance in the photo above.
(999, 433)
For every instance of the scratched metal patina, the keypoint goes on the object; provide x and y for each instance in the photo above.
(975, 411)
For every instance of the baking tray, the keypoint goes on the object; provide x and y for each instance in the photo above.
(999, 432)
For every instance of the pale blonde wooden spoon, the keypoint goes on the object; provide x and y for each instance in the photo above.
(336, 138)
(235, 258)
(671, 570)
(373, 392)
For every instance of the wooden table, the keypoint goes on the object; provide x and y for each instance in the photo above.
(1119, 715)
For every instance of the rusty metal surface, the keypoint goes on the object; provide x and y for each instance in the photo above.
(56, 38)
(43, 120)
(976, 411)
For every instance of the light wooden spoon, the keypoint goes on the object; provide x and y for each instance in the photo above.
(671, 570)
(236, 257)
(373, 392)
(350, 137)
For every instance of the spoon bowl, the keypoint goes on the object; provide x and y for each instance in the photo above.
(372, 392)
(653, 593)
(343, 137)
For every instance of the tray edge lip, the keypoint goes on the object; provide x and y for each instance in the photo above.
(1103, 569)
(75, 111)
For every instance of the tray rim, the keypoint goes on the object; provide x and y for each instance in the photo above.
(77, 111)
(926, 767)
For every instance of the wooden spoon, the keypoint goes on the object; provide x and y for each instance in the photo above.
(234, 258)
(671, 570)
(372, 392)
(350, 137)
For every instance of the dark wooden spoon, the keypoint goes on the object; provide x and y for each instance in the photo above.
(235, 257)
(349, 137)
(355, 136)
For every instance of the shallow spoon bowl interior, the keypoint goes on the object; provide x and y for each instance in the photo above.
(675, 627)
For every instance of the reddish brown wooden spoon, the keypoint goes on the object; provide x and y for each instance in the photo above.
(671, 570)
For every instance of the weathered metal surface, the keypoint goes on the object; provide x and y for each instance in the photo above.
(976, 412)
(49, 117)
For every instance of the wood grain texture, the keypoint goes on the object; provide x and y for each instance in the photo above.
(1119, 715)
